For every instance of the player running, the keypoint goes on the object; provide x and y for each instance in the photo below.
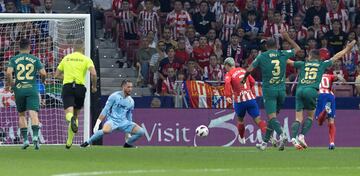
(325, 108)
(25, 66)
(311, 72)
(118, 111)
(273, 68)
(244, 98)
(72, 70)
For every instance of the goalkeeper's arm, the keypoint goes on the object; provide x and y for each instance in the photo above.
(98, 122)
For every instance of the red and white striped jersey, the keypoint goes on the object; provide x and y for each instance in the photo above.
(301, 33)
(230, 21)
(233, 87)
(326, 84)
(267, 24)
(274, 30)
(117, 5)
(149, 21)
(181, 21)
(323, 28)
(214, 73)
(341, 15)
(63, 52)
(128, 21)
(265, 5)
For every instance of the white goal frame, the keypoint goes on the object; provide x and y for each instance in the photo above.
(87, 43)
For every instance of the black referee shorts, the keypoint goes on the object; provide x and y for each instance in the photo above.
(73, 95)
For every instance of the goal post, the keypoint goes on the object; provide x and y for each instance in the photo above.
(52, 37)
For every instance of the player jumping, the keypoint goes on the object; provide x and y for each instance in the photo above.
(118, 111)
(325, 107)
(244, 99)
(273, 67)
(25, 89)
(311, 72)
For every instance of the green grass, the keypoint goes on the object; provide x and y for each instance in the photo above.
(178, 161)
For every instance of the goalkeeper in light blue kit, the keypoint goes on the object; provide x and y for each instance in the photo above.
(118, 111)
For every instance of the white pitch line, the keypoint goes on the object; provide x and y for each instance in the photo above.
(140, 172)
(130, 172)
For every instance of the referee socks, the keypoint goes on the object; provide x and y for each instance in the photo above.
(68, 116)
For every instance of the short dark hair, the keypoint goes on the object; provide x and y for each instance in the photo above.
(125, 81)
(170, 48)
(315, 52)
(271, 43)
(24, 43)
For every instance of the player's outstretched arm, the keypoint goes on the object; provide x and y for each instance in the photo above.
(59, 74)
(340, 54)
(9, 78)
(290, 62)
(248, 72)
(43, 75)
(98, 122)
(286, 36)
(93, 76)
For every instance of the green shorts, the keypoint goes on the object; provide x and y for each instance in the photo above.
(306, 98)
(27, 100)
(273, 100)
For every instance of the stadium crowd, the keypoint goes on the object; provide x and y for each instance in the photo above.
(175, 40)
(189, 39)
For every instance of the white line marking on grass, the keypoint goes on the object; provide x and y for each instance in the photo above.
(141, 172)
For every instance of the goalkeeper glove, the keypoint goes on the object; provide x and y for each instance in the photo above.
(96, 127)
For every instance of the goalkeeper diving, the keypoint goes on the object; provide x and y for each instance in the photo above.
(118, 112)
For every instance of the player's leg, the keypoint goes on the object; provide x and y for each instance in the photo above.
(136, 133)
(254, 112)
(295, 126)
(240, 110)
(33, 106)
(269, 100)
(20, 101)
(320, 113)
(331, 123)
(80, 92)
(310, 96)
(280, 99)
(107, 128)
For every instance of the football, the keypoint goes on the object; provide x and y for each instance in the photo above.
(202, 131)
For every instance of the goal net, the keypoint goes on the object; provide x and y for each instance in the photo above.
(52, 37)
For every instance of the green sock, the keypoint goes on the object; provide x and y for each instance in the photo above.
(70, 136)
(306, 126)
(276, 125)
(35, 129)
(24, 133)
(268, 133)
(295, 128)
(68, 116)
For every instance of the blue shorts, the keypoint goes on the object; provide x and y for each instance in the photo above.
(249, 106)
(322, 100)
(125, 126)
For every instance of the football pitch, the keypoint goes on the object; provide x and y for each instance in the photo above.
(178, 161)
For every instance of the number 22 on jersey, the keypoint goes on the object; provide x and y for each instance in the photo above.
(24, 71)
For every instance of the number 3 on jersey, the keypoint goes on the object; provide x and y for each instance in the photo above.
(21, 68)
(276, 71)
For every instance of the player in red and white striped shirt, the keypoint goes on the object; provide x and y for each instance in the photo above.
(230, 21)
(178, 19)
(326, 105)
(149, 19)
(242, 97)
(338, 14)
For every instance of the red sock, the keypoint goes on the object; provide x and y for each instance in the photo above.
(332, 131)
(322, 117)
(262, 125)
(241, 129)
